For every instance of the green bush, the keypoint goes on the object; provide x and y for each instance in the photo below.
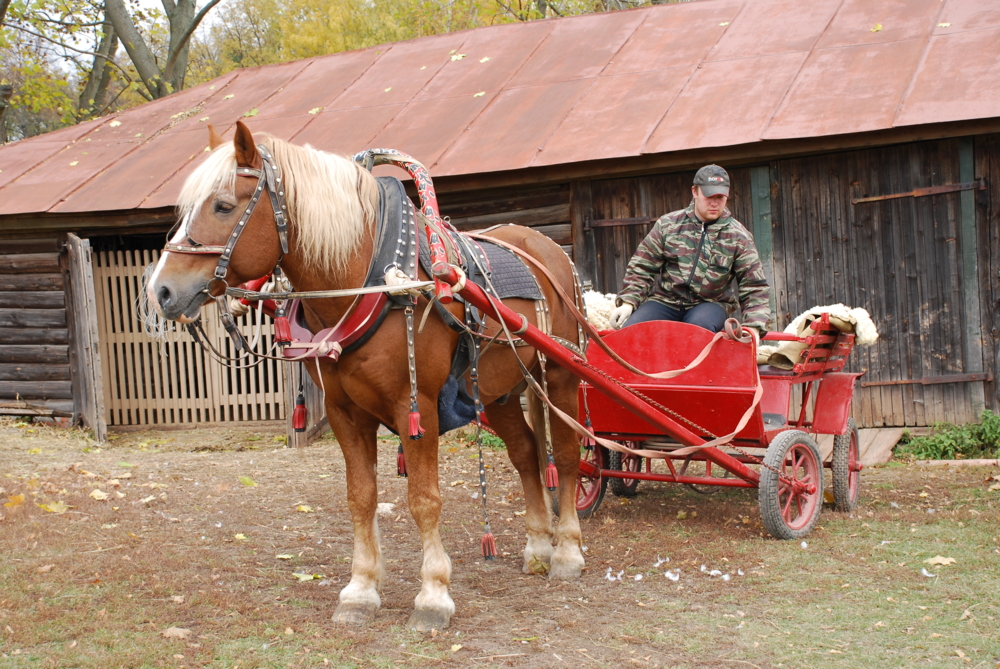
(956, 442)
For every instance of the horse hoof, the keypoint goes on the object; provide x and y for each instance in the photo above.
(425, 620)
(354, 614)
(567, 565)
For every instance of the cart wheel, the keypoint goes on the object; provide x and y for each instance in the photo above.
(589, 491)
(624, 462)
(846, 469)
(786, 514)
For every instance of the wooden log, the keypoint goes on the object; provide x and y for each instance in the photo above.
(37, 408)
(29, 263)
(530, 217)
(560, 233)
(34, 336)
(33, 299)
(34, 354)
(37, 245)
(33, 318)
(21, 372)
(29, 390)
(509, 203)
(15, 282)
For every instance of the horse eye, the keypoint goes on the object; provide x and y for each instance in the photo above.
(223, 207)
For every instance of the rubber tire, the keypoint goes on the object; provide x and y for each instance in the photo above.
(843, 499)
(768, 491)
(591, 505)
(622, 487)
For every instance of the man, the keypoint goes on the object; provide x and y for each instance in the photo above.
(682, 269)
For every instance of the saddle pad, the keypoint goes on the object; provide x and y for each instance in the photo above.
(508, 274)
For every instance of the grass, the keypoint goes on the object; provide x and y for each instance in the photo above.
(123, 571)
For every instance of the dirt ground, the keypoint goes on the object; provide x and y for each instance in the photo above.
(181, 549)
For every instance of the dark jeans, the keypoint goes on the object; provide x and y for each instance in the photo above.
(708, 315)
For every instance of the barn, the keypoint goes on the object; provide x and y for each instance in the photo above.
(862, 137)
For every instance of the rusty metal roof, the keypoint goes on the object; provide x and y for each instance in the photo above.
(685, 76)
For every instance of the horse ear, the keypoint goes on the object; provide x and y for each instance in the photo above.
(246, 149)
(214, 138)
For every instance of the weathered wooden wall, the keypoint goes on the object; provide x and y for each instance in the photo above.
(34, 357)
(915, 263)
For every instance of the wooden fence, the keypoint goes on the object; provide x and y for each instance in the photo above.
(149, 381)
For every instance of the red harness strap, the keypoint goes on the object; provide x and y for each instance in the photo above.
(331, 342)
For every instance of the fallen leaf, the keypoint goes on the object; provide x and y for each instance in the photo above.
(177, 599)
(308, 577)
(252, 112)
(520, 513)
(285, 556)
(479, 94)
(147, 500)
(47, 568)
(74, 163)
(228, 97)
(456, 647)
(99, 494)
(944, 25)
(877, 28)
(304, 508)
(924, 494)
(247, 481)
(966, 614)
(54, 507)
(176, 633)
(995, 486)
(115, 123)
(240, 537)
(938, 560)
(959, 652)
(458, 482)
(15, 500)
(315, 110)
(458, 56)
(388, 89)
(289, 631)
(681, 515)
(125, 464)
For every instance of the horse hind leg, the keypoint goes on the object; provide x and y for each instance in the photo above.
(567, 559)
(508, 421)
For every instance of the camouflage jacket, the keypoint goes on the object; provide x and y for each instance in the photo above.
(683, 262)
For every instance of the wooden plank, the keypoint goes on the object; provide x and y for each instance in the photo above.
(972, 342)
(23, 372)
(530, 217)
(39, 299)
(29, 263)
(33, 318)
(88, 389)
(760, 198)
(34, 336)
(492, 202)
(880, 445)
(36, 390)
(27, 282)
(581, 210)
(37, 408)
(29, 245)
(19, 353)
(987, 166)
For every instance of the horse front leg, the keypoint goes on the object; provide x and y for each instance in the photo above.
(433, 606)
(508, 421)
(360, 599)
(567, 560)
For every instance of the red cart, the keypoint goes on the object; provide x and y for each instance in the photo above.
(775, 452)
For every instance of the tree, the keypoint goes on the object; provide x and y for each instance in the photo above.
(159, 81)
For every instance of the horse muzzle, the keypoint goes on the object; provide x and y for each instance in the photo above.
(181, 306)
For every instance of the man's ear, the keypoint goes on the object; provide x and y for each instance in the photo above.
(246, 149)
(214, 138)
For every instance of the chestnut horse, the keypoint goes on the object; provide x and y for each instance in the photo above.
(332, 205)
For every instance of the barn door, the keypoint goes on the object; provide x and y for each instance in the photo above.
(85, 353)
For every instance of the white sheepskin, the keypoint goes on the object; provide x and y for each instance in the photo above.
(785, 354)
(599, 308)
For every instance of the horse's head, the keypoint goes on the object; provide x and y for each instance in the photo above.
(197, 265)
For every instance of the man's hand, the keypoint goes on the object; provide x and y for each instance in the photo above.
(620, 315)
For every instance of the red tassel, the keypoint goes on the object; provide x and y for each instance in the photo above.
(299, 414)
(551, 476)
(489, 546)
(416, 432)
(400, 463)
(282, 331)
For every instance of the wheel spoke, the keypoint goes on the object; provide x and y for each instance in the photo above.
(786, 507)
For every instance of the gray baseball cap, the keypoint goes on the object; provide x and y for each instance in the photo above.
(713, 180)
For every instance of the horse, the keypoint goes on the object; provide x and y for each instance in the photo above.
(331, 215)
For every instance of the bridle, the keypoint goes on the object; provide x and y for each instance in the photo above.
(269, 178)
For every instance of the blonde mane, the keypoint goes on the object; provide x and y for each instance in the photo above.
(332, 201)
